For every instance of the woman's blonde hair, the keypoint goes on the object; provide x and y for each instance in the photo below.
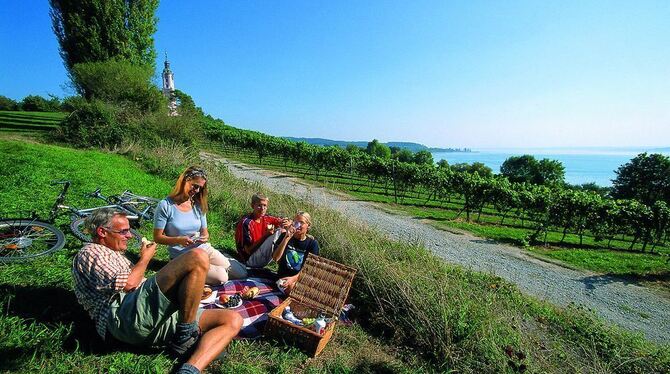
(199, 198)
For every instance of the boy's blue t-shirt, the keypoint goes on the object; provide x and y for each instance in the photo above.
(174, 222)
(295, 254)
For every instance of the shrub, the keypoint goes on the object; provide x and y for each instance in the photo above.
(8, 104)
(36, 103)
(118, 82)
(93, 124)
(71, 103)
(155, 128)
(100, 124)
(165, 158)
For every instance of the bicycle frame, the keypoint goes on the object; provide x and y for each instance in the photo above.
(59, 201)
(58, 206)
(127, 201)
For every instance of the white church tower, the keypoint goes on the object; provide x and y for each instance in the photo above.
(168, 87)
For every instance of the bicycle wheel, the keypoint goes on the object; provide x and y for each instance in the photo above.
(22, 239)
(79, 231)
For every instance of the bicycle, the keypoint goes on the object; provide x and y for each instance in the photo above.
(27, 237)
(137, 208)
(142, 206)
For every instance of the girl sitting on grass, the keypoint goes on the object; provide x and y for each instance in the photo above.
(293, 247)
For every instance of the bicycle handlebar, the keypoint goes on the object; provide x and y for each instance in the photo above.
(95, 193)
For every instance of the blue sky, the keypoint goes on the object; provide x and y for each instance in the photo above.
(442, 73)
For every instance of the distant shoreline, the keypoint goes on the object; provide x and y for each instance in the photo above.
(414, 147)
(450, 150)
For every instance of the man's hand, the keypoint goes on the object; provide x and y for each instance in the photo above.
(148, 249)
(136, 276)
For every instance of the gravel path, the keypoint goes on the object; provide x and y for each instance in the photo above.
(623, 303)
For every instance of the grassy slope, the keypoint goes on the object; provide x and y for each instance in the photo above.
(591, 255)
(43, 329)
(460, 320)
(28, 122)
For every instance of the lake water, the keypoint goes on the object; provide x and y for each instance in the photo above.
(582, 165)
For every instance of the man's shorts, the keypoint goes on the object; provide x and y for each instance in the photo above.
(144, 316)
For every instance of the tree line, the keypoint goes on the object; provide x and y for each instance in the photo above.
(34, 103)
(539, 198)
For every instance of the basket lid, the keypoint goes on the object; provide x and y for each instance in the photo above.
(324, 284)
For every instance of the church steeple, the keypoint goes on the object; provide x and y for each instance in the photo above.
(168, 87)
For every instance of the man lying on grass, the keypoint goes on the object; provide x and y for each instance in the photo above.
(159, 311)
(257, 233)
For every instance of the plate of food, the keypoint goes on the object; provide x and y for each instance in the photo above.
(208, 296)
(228, 301)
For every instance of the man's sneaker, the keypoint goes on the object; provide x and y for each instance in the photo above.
(182, 347)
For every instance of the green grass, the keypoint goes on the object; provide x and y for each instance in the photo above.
(438, 319)
(42, 328)
(589, 255)
(30, 120)
(29, 124)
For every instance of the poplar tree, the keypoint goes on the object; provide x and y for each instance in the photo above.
(100, 30)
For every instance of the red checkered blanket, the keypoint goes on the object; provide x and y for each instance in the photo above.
(255, 311)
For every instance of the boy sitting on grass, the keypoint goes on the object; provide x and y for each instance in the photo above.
(257, 232)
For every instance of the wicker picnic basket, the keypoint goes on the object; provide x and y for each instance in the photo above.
(322, 287)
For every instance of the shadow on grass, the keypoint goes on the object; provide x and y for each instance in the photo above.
(594, 281)
(561, 245)
(511, 241)
(252, 168)
(434, 218)
(375, 368)
(595, 246)
(50, 306)
(490, 241)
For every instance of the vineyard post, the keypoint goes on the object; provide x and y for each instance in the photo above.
(395, 187)
(351, 170)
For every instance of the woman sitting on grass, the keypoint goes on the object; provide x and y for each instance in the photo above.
(180, 222)
(293, 247)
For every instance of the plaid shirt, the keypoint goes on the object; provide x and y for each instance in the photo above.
(99, 275)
